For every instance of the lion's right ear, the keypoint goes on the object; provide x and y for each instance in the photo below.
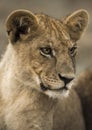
(19, 24)
(76, 23)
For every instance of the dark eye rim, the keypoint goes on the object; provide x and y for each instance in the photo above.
(46, 50)
(73, 50)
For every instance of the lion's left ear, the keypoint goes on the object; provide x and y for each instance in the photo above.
(19, 24)
(76, 24)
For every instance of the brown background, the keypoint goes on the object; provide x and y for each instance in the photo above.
(55, 8)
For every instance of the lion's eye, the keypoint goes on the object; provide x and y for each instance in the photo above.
(46, 51)
(73, 51)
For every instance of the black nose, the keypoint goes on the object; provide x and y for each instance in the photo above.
(65, 79)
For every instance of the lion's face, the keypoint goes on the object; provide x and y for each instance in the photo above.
(53, 62)
(46, 49)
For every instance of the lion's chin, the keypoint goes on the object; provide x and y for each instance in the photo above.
(57, 94)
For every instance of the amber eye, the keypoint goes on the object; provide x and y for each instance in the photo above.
(73, 51)
(46, 51)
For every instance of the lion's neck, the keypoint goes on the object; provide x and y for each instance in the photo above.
(12, 87)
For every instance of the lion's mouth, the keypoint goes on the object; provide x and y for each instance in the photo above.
(45, 88)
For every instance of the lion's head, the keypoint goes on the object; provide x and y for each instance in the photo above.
(44, 49)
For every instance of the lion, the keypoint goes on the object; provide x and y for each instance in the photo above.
(83, 86)
(37, 72)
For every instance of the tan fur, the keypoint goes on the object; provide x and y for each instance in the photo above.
(36, 70)
(83, 86)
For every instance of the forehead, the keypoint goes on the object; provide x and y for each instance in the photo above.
(55, 32)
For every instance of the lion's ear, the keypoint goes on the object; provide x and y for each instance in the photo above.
(76, 24)
(20, 23)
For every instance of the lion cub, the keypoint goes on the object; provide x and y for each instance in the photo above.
(36, 70)
(83, 86)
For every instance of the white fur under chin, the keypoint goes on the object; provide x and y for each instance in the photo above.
(60, 94)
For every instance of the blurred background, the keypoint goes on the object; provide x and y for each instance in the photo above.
(54, 8)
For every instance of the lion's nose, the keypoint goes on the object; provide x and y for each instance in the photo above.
(65, 79)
